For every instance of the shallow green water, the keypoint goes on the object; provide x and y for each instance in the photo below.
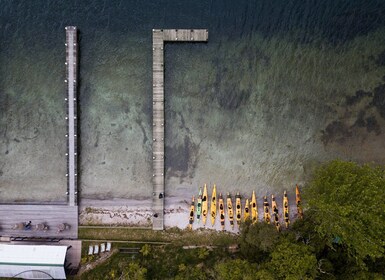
(279, 87)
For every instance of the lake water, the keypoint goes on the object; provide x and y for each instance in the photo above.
(279, 87)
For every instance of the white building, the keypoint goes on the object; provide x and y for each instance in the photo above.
(32, 261)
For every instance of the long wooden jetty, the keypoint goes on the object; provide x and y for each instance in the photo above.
(71, 81)
(159, 37)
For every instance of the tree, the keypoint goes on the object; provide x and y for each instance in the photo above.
(293, 261)
(264, 274)
(257, 240)
(190, 272)
(203, 253)
(133, 271)
(145, 250)
(235, 270)
(346, 202)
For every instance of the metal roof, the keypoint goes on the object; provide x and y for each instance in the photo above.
(32, 254)
(32, 261)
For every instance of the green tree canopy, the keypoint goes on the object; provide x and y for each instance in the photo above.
(133, 271)
(236, 269)
(346, 202)
(146, 250)
(190, 272)
(257, 240)
(293, 261)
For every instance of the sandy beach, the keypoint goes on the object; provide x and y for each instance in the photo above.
(138, 213)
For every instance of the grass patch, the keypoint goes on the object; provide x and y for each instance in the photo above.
(161, 261)
(173, 235)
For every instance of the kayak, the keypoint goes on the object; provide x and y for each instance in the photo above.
(238, 206)
(266, 211)
(199, 205)
(221, 211)
(204, 205)
(213, 206)
(298, 202)
(191, 219)
(286, 209)
(254, 209)
(230, 210)
(275, 213)
(246, 216)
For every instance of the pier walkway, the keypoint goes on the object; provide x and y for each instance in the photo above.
(159, 36)
(71, 117)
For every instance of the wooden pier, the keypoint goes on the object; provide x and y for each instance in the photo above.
(71, 117)
(159, 36)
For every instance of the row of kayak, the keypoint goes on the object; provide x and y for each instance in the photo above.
(200, 209)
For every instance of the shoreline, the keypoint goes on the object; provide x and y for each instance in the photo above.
(138, 213)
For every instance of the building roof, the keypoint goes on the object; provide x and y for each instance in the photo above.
(32, 261)
(32, 254)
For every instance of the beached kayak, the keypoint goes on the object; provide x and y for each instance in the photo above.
(230, 211)
(238, 207)
(191, 218)
(266, 210)
(286, 209)
(246, 215)
(199, 205)
(213, 206)
(298, 202)
(221, 211)
(254, 209)
(204, 205)
(275, 213)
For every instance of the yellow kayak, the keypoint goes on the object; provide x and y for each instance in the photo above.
(254, 209)
(213, 206)
(204, 205)
(238, 206)
(230, 210)
(275, 213)
(199, 205)
(222, 211)
(286, 209)
(298, 202)
(191, 219)
(246, 216)
(266, 214)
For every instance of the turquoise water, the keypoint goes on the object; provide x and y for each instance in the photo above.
(279, 87)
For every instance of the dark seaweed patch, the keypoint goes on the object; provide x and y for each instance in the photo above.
(335, 132)
(360, 122)
(360, 94)
(179, 160)
(380, 61)
(379, 99)
(372, 125)
(231, 99)
(228, 94)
